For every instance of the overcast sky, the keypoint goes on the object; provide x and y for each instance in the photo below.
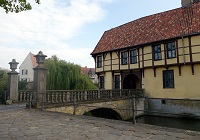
(69, 29)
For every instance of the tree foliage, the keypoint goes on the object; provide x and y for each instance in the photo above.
(22, 85)
(16, 5)
(3, 80)
(62, 75)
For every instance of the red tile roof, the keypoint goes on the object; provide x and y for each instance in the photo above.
(34, 60)
(86, 70)
(157, 27)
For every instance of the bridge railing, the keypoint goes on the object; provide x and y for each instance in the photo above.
(25, 95)
(64, 96)
(75, 96)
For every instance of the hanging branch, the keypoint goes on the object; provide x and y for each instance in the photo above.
(16, 5)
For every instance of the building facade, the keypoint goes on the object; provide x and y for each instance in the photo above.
(26, 72)
(159, 53)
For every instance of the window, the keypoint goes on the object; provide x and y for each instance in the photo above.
(168, 79)
(157, 52)
(24, 79)
(171, 50)
(195, 0)
(124, 58)
(99, 61)
(24, 72)
(133, 56)
(101, 82)
(163, 101)
(117, 81)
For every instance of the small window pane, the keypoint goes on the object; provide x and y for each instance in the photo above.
(168, 79)
(24, 72)
(124, 58)
(171, 50)
(117, 82)
(133, 56)
(101, 82)
(157, 52)
(99, 61)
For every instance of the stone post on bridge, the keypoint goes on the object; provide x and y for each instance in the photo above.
(12, 93)
(39, 80)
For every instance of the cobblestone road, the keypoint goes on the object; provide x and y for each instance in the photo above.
(18, 123)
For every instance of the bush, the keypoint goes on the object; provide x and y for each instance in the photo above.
(22, 85)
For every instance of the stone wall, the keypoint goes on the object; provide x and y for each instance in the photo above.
(175, 108)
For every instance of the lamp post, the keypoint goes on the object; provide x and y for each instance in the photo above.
(12, 93)
(39, 80)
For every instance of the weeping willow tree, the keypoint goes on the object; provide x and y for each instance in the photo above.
(62, 75)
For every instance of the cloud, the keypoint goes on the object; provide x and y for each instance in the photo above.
(48, 27)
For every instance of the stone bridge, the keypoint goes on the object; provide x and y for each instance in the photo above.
(113, 104)
(121, 109)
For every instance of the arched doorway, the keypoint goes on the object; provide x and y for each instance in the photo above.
(131, 81)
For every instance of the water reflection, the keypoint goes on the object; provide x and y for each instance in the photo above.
(188, 124)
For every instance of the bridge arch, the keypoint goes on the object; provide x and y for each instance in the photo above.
(104, 113)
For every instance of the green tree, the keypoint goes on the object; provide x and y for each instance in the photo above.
(16, 5)
(62, 75)
(3, 80)
(22, 85)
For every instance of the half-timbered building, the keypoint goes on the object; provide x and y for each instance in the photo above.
(159, 53)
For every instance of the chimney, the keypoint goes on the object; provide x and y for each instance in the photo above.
(185, 3)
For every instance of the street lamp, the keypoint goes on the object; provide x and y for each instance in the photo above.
(13, 65)
(40, 57)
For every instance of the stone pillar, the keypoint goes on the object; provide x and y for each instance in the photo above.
(12, 93)
(39, 85)
(39, 80)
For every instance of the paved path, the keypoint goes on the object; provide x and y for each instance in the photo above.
(18, 123)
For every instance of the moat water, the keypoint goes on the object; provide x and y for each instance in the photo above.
(187, 124)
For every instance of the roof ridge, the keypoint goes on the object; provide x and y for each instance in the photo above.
(144, 17)
(160, 26)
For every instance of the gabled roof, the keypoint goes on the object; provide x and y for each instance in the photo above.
(166, 25)
(34, 60)
(86, 70)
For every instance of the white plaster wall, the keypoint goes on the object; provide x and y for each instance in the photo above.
(27, 65)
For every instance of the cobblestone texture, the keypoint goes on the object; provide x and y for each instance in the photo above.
(18, 123)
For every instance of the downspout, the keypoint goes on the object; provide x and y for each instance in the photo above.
(183, 50)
